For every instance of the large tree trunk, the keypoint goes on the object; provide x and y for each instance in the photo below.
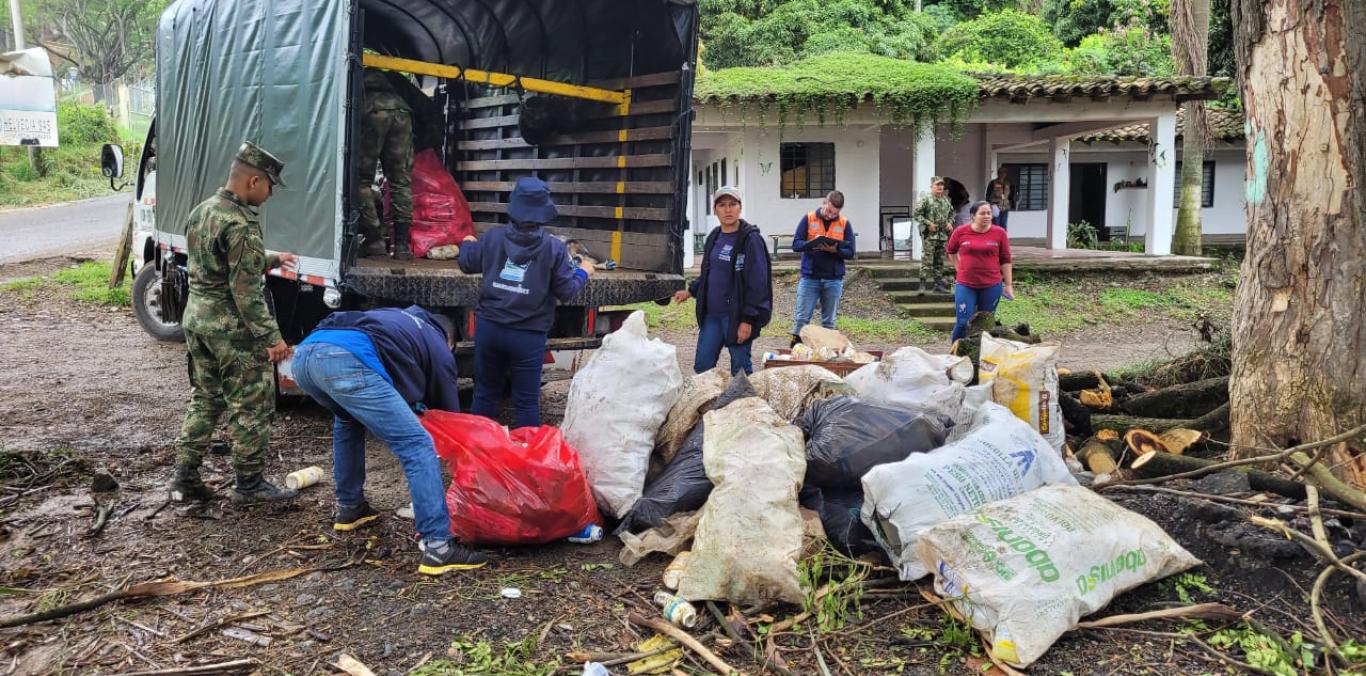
(1190, 41)
(1299, 325)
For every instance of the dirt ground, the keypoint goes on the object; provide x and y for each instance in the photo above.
(82, 390)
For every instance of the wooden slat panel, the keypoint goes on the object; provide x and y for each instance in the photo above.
(661, 160)
(627, 213)
(646, 108)
(491, 101)
(489, 122)
(599, 188)
(639, 250)
(609, 136)
(640, 81)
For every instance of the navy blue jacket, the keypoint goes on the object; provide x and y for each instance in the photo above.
(751, 283)
(818, 264)
(412, 347)
(525, 270)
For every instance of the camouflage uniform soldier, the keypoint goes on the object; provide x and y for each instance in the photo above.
(231, 336)
(935, 215)
(387, 138)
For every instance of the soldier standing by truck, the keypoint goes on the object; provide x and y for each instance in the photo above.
(387, 138)
(231, 336)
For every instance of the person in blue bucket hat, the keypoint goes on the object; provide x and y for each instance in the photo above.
(525, 270)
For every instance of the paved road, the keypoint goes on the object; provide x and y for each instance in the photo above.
(88, 226)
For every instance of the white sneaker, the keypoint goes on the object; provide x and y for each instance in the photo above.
(405, 512)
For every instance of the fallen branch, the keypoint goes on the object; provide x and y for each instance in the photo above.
(1324, 479)
(218, 623)
(1223, 498)
(219, 668)
(1179, 401)
(1210, 422)
(1202, 611)
(1276, 457)
(1316, 609)
(1159, 466)
(102, 511)
(683, 638)
(1324, 552)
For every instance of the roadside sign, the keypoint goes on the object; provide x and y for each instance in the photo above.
(28, 99)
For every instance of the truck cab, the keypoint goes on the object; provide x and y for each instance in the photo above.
(593, 97)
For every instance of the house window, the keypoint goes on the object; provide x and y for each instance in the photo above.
(808, 169)
(1206, 186)
(1031, 186)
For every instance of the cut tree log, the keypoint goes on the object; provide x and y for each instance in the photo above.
(1141, 442)
(1076, 416)
(1100, 456)
(1179, 439)
(1210, 422)
(1158, 464)
(1187, 400)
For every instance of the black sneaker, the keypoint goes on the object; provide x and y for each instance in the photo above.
(449, 556)
(351, 518)
(940, 286)
(796, 340)
(373, 247)
(255, 489)
(188, 487)
(402, 252)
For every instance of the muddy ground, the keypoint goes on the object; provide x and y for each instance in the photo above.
(83, 390)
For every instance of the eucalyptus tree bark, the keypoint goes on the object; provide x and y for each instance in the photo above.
(1299, 324)
(1190, 47)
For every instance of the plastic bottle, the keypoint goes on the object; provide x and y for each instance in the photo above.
(304, 478)
(674, 572)
(595, 669)
(677, 610)
(590, 534)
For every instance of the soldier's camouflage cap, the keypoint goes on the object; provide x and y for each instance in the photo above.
(258, 157)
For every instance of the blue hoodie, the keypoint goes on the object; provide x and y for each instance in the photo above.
(525, 270)
(411, 347)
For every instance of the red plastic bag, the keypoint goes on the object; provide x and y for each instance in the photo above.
(441, 215)
(522, 488)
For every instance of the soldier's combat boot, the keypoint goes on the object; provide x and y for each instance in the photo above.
(940, 286)
(402, 251)
(254, 488)
(188, 487)
(373, 247)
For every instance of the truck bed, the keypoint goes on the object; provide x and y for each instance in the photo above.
(442, 284)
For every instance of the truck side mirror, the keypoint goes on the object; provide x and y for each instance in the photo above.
(111, 162)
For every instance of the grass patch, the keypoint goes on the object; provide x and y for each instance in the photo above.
(470, 657)
(66, 173)
(85, 283)
(884, 330)
(1054, 306)
(671, 317)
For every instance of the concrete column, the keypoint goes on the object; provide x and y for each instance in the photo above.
(922, 170)
(1161, 186)
(1059, 192)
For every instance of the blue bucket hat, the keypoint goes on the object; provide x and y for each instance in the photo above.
(530, 202)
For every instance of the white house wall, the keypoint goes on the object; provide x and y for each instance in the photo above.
(1228, 215)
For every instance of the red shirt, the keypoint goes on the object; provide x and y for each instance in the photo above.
(980, 255)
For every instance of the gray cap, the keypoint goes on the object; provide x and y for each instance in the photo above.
(256, 156)
(728, 191)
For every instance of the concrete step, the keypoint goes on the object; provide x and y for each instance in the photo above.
(922, 310)
(899, 270)
(915, 298)
(937, 323)
(903, 284)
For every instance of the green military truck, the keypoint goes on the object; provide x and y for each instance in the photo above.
(609, 81)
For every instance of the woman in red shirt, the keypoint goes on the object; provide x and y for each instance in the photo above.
(981, 253)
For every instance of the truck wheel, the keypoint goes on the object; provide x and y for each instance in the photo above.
(147, 306)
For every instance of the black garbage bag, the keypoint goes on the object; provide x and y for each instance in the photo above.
(846, 437)
(839, 511)
(683, 485)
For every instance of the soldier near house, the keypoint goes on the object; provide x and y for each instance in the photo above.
(231, 335)
(934, 213)
(387, 139)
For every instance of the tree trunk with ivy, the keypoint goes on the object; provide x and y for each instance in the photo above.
(1299, 324)
(1190, 46)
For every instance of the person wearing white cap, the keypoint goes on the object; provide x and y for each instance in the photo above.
(734, 291)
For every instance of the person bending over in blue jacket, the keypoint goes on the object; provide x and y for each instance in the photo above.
(735, 290)
(525, 270)
(372, 369)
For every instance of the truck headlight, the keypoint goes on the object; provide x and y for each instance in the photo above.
(332, 298)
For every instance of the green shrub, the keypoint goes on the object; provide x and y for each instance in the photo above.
(1082, 235)
(80, 124)
(1008, 38)
(1128, 50)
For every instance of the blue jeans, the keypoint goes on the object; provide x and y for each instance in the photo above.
(1002, 219)
(361, 399)
(502, 353)
(827, 291)
(968, 301)
(711, 336)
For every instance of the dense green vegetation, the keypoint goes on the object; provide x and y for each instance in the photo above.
(69, 172)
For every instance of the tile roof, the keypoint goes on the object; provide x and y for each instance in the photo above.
(1226, 124)
(1020, 88)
